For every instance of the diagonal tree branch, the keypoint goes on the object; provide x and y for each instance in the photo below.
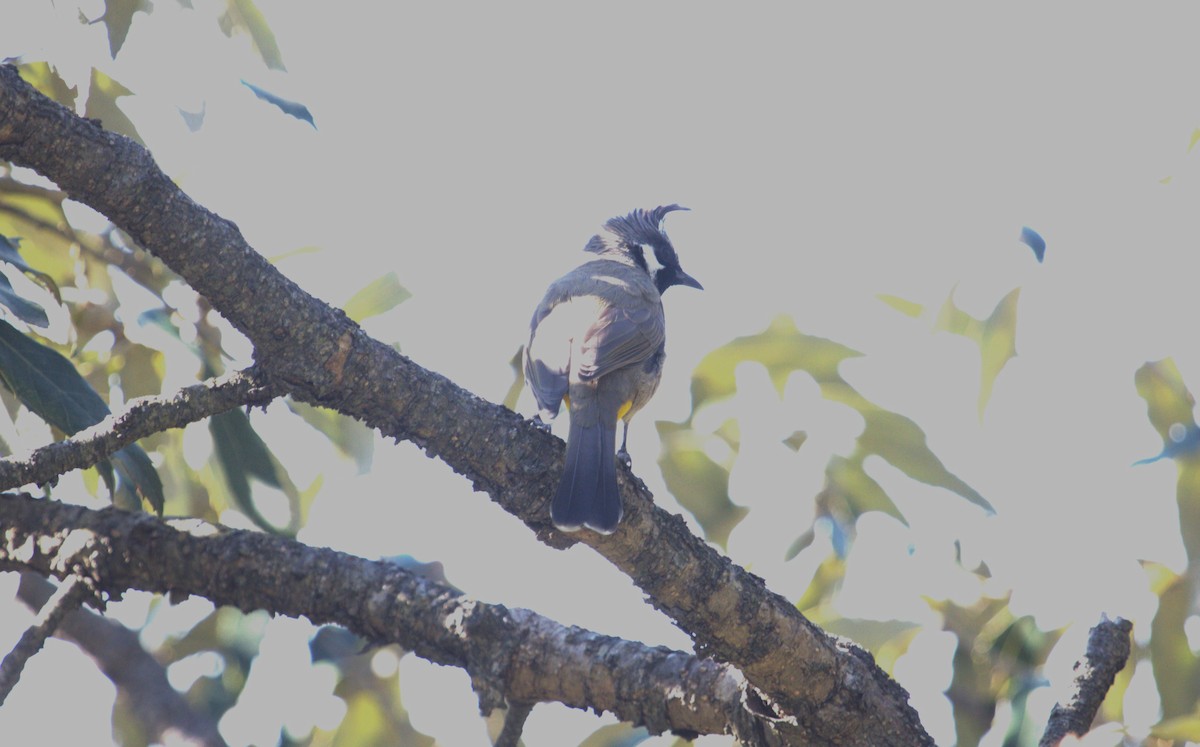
(65, 599)
(318, 355)
(164, 713)
(513, 655)
(143, 417)
(1107, 652)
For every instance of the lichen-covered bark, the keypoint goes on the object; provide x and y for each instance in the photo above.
(838, 696)
(512, 655)
(142, 417)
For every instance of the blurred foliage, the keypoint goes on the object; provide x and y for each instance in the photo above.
(996, 336)
(997, 658)
(50, 386)
(100, 336)
(102, 105)
(113, 323)
(244, 17)
(287, 106)
(117, 18)
(377, 297)
(701, 485)
(44, 77)
(374, 714)
(1176, 666)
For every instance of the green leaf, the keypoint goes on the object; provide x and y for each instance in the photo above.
(10, 254)
(1179, 729)
(846, 480)
(1175, 664)
(377, 297)
(25, 310)
(350, 436)
(998, 345)
(48, 384)
(908, 308)
(1169, 407)
(36, 214)
(781, 349)
(796, 440)
(244, 16)
(996, 337)
(902, 443)
(517, 364)
(118, 17)
(1168, 401)
(138, 475)
(697, 482)
(45, 78)
(243, 454)
(102, 105)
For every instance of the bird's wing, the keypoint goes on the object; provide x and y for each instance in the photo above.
(548, 354)
(620, 336)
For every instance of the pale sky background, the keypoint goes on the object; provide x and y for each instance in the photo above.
(829, 153)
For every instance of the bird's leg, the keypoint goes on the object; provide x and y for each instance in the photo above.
(540, 423)
(623, 453)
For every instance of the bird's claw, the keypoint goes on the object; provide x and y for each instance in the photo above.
(623, 458)
(540, 424)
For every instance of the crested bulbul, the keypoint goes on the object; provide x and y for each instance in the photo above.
(598, 341)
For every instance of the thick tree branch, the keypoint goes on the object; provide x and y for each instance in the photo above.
(164, 714)
(143, 416)
(66, 598)
(1107, 652)
(837, 693)
(512, 655)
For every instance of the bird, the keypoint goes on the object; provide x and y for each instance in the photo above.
(597, 342)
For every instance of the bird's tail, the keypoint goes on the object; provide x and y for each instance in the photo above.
(587, 494)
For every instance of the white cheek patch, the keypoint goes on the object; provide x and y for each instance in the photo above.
(652, 263)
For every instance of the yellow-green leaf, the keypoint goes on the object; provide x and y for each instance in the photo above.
(781, 349)
(244, 16)
(102, 105)
(118, 17)
(380, 295)
(46, 79)
(697, 482)
(908, 308)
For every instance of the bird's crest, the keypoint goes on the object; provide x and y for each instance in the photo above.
(639, 227)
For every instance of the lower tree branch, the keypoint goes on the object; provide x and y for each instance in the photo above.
(66, 598)
(1107, 652)
(165, 715)
(512, 655)
(143, 417)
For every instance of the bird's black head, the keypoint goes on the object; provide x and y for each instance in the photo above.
(640, 236)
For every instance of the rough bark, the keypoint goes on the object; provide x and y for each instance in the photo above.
(141, 417)
(317, 354)
(512, 655)
(1107, 651)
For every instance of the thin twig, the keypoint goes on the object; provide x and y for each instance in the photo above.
(143, 416)
(514, 724)
(68, 597)
(1107, 652)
